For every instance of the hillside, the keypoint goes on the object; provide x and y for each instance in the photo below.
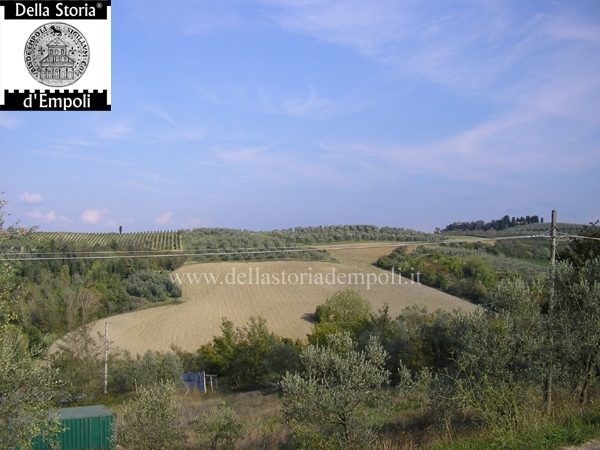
(287, 308)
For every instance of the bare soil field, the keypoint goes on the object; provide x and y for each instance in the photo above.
(286, 307)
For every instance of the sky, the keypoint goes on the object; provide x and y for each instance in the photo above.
(267, 114)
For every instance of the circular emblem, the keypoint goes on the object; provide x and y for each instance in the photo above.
(57, 54)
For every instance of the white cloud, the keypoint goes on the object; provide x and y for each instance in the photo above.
(31, 198)
(46, 217)
(93, 216)
(165, 218)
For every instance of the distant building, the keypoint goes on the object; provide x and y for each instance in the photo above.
(57, 65)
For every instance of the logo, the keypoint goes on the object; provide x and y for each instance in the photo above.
(57, 54)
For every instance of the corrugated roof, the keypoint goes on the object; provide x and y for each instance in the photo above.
(85, 411)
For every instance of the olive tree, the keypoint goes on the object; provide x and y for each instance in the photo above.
(27, 388)
(219, 428)
(151, 420)
(330, 404)
(27, 391)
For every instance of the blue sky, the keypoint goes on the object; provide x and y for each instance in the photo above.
(265, 114)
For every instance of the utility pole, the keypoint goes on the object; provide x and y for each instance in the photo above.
(553, 239)
(105, 358)
(553, 230)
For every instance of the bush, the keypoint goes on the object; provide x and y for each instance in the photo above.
(152, 368)
(328, 406)
(152, 285)
(151, 420)
(344, 311)
(250, 357)
(218, 428)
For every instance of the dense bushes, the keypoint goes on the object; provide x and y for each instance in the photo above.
(247, 357)
(58, 296)
(469, 277)
(343, 311)
(152, 285)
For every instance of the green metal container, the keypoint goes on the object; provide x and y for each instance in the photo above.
(85, 428)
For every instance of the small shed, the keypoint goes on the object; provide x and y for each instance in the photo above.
(84, 428)
(198, 381)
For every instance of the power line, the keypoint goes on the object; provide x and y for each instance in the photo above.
(247, 251)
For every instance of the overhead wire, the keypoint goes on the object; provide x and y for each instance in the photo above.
(99, 255)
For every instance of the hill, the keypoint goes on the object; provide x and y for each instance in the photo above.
(287, 308)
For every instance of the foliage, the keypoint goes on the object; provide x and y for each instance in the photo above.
(8, 296)
(500, 224)
(416, 339)
(218, 428)
(149, 240)
(154, 286)
(127, 373)
(576, 325)
(79, 364)
(328, 404)
(150, 421)
(344, 311)
(581, 250)
(27, 391)
(250, 356)
(469, 277)
(58, 296)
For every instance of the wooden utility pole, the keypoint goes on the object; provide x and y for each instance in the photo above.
(105, 358)
(553, 239)
(553, 230)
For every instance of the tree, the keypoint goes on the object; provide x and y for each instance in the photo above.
(581, 250)
(27, 389)
(151, 420)
(329, 405)
(218, 428)
(27, 392)
(345, 311)
(250, 356)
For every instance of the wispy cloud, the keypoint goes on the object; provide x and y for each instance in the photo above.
(260, 99)
(176, 130)
(115, 130)
(190, 17)
(31, 197)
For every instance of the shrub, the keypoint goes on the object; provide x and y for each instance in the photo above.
(151, 420)
(329, 405)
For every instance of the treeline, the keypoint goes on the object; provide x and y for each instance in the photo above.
(56, 296)
(224, 238)
(498, 225)
(470, 270)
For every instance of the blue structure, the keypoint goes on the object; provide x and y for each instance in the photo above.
(195, 381)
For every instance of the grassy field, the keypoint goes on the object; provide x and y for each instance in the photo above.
(287, 308)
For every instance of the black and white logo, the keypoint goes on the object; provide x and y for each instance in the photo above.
(57, 54)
